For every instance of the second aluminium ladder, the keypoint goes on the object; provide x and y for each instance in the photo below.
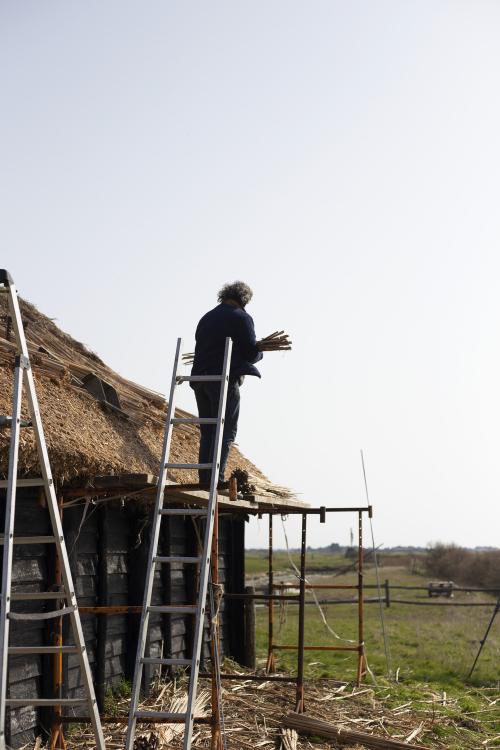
(23, 380)
(204, 561)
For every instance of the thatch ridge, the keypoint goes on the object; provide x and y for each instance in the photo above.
(85, 438)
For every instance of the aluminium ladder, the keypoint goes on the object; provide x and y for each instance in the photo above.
(204, 561)
(23, 377)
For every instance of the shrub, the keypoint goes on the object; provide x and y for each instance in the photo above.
(466, 567)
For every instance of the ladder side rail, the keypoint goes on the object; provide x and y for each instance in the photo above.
(41, 444)
(207, 546)
(8, 545)
(56, 519)
(148, 589)
(17, 321)
(62, 552)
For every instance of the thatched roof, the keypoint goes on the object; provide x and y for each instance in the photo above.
(84, 437)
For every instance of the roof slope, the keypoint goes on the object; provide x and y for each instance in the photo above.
(85, 438)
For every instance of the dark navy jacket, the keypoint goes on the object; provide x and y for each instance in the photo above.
(211, 332)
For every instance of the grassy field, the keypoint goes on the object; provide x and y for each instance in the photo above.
(256, 562)
(431, 647)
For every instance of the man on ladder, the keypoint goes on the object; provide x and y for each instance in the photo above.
(216, 372)
(228, 319)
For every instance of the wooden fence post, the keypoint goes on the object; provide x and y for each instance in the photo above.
(387, 593)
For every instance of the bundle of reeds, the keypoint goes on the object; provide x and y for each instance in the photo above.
(278, 341)
(243, 481)
(289, 739)
(304, 724)
(162, 734)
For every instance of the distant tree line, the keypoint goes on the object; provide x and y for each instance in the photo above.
(463, 566)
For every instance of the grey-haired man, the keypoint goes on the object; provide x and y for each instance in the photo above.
(229, 318)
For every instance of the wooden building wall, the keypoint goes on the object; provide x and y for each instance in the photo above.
(108, 546)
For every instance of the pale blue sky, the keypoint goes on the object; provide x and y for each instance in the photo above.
(341, 157)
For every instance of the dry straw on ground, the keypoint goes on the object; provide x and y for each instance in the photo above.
(254, 714)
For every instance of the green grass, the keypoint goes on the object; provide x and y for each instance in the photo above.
(432, 649)
(257, 563)
(114, 696)
(437, 645)
(426, 642)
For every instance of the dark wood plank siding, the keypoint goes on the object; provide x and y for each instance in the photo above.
(116, 571)
(180, 539)
(108, 547)
(29, 573)
(81, 527)
(234, 609)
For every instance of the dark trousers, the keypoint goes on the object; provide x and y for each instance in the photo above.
(207, 398)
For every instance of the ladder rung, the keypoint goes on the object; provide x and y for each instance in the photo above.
(177, 559)
(183, 512)
(177, 609)
(159, 715)
(167, 662)
(35, 616)
(16, 650)
(45, 701)
(21, 596)
(199, 378)
(194, 420)
(29, 539)
(36, 482)
(188, 466)
(6, 421)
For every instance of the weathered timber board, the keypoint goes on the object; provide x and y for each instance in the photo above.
(29, 573)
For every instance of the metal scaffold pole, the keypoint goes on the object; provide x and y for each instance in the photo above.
(271, 662)
(300, 706)
(361, 642)
(481, 646)
(217, 743)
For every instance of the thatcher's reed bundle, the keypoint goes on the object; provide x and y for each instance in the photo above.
(278, 341)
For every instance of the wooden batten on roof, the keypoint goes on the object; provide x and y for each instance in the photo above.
(142, 487)
(89, 436)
